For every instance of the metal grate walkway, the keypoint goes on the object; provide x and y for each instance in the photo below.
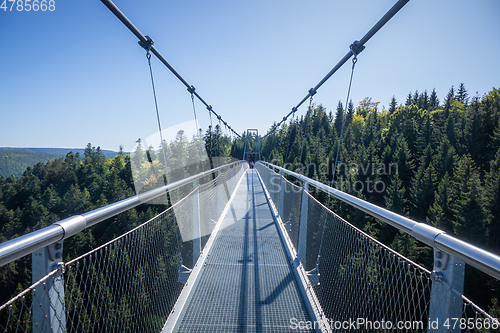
(247, 284)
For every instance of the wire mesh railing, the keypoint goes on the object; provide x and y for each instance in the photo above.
(360, 283)
(131, 283)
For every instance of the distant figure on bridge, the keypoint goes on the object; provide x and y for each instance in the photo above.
(251, 164)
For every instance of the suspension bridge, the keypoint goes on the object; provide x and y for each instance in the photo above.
(245, 247)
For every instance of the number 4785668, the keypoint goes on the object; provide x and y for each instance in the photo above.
(28, 5)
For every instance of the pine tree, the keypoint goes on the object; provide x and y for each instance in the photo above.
(462, 95)
(445, 158)
(339, 118)
(416, 97)
(393, 105)
(404, 164)
(433, 100)
(395, 199)
(409, 99)
(423, 101)
(441, 214)
(468, 207)
(493, 203)
(447, 102)
(422, 190)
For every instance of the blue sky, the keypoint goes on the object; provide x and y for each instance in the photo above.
(76, 75)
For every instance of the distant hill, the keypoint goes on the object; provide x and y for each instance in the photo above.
(14, 161)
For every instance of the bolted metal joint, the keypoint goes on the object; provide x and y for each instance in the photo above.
(356, 48)
(147, 44)
(436, 276)
(191, 90)
(72, 225)
(312, 92)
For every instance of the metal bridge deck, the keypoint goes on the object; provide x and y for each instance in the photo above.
(247, 283)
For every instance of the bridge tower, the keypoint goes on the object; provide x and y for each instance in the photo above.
(251, 152)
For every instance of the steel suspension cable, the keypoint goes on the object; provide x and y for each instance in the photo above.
(162, 143)
(344, 114)
(219, 137)
(211, 133)
(309, 109)
(198, 134)
(289, 136)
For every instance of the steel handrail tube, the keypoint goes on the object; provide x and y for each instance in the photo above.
(27, 244)
(479, 258)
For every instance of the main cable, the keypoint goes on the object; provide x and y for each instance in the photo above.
(146, 41)
(355, 48)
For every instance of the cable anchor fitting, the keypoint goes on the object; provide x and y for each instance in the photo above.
(356, 48)
(191, 90)
(147, 45)
(312, 92)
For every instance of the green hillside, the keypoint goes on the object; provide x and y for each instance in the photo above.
(14, 161)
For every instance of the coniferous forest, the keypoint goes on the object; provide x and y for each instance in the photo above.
(74, 184)
(435, 161)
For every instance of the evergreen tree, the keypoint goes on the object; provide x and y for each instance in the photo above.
(422, 190)
(395, 198)
(447, 102)
(339, 118)
(462, 95)
(445, 158)
(433, 100)
(468, 208)
(409, 99)
(493, 203)
(441, 214)
(393, 105)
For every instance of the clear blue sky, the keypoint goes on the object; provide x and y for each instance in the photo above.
(77, 75)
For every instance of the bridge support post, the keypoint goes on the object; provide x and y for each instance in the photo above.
(303, 224)
(282, 196)
(48, 307)
(446, 293)
(196, 223)
(220, 192)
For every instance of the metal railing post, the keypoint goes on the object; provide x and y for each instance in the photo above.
(303, 224)
(446, 293)
(196, 223)
(48, 307)
(220, 192)
(282, 195)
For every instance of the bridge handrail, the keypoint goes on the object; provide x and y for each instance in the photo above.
(19, 247)
(481, 259)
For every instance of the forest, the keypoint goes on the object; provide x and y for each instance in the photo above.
(434, 161)
(74, 184)
(14, 162)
